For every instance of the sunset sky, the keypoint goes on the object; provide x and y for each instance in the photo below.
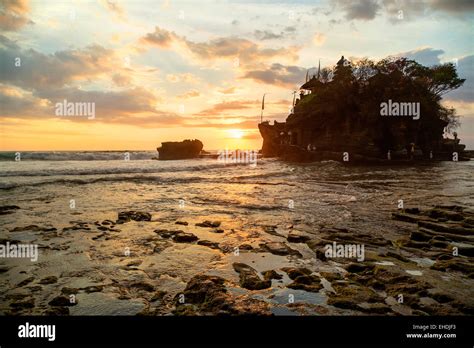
(172, 70)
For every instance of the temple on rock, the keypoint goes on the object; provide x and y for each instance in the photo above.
(338, 112)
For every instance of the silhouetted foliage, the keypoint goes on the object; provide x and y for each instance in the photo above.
(350, 97)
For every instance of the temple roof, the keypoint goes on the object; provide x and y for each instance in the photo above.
(313, 83)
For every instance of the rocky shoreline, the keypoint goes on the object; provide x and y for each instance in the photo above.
(273, 270)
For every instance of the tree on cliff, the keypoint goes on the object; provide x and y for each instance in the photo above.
(351, 94)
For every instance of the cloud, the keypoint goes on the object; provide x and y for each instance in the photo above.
(121, 80)
(184, 77)
(229, 90)
(369, 9)
(359, 9)
(13, 14)
(160, 37)
(41, 80)
(278, 74)
(228, 106)
(465, 93)
(248, 52)
(453, 6)
(267, 35)
(465, 67)
(319, 39)
(189, 94)
(42, 71)
(115, 8)
(425, 55)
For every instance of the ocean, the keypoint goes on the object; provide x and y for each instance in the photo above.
(69, 195)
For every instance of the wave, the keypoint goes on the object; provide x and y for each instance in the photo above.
(76, 155)
(158, 167)
(76, 181)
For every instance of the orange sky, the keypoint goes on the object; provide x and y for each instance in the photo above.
(177, 70)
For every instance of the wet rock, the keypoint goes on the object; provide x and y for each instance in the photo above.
(416, 245)
(8, 209)
(134, 263)
(35, 288)
(33, 228)
(294, 237)
(271, 274)
(374, 308)
(439, 244)
(395, 256)
(446, 228)
(321, 255)
(48, 280)
(465, 250)
(330, 277)
(142, 286)
(454, 265)
(183, 237)
(278, 248)
(167, 233)
(207, 292)
(158, 296)
(27, 304)
(406, 217)
(249, 278)
(294, 272)
(108, 222)
(350, 296)
(4, 268)
(358, 267)
(25, 282)
(209, 244)
(93, 288)
(272, 230)
(62, 301)
(184, 223)
(303, 279)
(57, 311)
(414, 211)
(158, 248)
(420, 236)
(126, 216)
(442, 298)
(69, 291)
(209, 224)
(438, 213)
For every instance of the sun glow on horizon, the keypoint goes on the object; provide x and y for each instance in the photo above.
(236, 133)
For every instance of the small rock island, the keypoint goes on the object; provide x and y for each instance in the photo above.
(370, 111)
(175, 150)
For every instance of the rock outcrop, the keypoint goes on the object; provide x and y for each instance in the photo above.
(341, 116)
(174, 150)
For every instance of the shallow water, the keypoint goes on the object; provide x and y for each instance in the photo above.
(58, 193)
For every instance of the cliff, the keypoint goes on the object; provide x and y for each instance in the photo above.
(369, 111)
(173, 150)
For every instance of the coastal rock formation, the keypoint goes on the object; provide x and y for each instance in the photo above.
(342, 115)
(249, 278)
(174, 150)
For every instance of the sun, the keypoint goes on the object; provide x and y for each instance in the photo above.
(236, 133)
